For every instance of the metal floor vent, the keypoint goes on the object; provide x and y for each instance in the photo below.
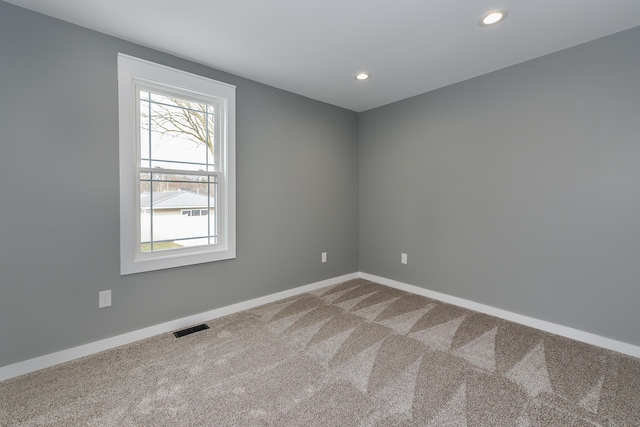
(190, 330)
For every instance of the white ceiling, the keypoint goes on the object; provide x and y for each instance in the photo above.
(314, 48)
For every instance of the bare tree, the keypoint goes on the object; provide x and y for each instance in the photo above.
(180, 117)
(187, 118)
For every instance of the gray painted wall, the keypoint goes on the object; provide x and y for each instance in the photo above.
(59, 214)
(519, 189)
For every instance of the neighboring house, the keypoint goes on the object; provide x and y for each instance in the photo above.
(182, 217)
(182, 202)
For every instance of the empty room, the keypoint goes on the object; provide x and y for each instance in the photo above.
(303, 213)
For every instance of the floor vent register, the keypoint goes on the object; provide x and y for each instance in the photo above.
(191, 330)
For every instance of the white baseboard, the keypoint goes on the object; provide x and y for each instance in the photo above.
(578, 335)
(52, 359)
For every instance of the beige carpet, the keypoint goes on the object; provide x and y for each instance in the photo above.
(355, 354)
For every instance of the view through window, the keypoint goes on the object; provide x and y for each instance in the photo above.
(178, 174)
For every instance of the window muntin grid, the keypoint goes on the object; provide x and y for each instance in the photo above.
(178, 146)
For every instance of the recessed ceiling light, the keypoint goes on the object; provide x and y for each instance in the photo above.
(493, 17)
(362, 76)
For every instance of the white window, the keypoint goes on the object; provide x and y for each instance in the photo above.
(177, 150)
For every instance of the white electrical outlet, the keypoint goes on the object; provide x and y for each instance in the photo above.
(403, 258)
(104, 299)
(324, 257)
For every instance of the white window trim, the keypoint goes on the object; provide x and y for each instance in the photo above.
(131, 71)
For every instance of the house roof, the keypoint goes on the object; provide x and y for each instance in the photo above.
(176, 200)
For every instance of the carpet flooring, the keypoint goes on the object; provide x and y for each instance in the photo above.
(353, 354)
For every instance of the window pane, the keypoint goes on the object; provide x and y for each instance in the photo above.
(195, 183)
(171, 209)
(173, 101)
(145, 135)
(145, 218)
(212, 135)
(173, 129)
(213, 226)
(186, 166)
